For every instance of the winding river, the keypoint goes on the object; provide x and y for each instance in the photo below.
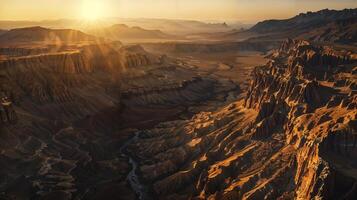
(132, 178)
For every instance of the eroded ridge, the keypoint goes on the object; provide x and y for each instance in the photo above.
(293, 136)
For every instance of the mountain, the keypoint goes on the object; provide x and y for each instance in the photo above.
(305, 21)
(322, 26)
(40, 34)
(342, 31)
(58, 23)
(123, 32)
(325, 25)
(171, 26)
(174, 26)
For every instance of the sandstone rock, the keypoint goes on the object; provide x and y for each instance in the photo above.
(292, 136)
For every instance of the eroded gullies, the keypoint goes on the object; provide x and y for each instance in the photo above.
(293, 120)
(75, 103)
(223, 114)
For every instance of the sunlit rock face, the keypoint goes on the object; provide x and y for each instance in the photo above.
(293, 136)
(54, 75)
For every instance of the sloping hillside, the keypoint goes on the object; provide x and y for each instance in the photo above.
(322, 26)
(305, 21)
(341, 31)
(40, 34)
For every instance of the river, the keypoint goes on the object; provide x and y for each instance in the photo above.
(132, 178)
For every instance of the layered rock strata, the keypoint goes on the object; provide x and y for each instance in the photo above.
(292, 137)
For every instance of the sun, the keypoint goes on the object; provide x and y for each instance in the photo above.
(92, 9)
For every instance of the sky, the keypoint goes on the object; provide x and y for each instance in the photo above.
(207, 10)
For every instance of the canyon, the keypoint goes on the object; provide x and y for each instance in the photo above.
(293, 135)
(74, 102)
(265, 117)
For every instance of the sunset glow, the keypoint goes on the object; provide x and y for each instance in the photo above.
(92, 10)
(242, 10)
(178, 99)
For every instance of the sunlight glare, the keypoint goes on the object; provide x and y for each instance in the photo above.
(92, 9)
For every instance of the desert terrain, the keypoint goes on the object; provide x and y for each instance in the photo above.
(150, 110)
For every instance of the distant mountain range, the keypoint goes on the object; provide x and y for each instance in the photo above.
(175, 26)
(337, 26)
(40, 34)
(123, 32)
(323, 26)
(119, 32)
(305, 21)
(171, 26)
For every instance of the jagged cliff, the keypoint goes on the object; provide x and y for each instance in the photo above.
(292, 137)
(50, 76)
(313, 97)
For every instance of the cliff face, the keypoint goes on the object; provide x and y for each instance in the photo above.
(49, 76)
(64, 62)
(85, 59)
(67, 80)
(316, 90)
(293, 136)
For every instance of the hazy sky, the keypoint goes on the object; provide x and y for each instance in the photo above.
(241, 10)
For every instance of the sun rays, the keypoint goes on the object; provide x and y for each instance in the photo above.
(92, 10)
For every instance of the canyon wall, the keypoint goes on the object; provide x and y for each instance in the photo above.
(67, 81)
(292, 137)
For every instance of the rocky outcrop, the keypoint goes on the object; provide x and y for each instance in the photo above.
(134, 60)
(14, 51)
(67, 62)
(7, 112)
(314, 109)
(48, 77)
(292, 137)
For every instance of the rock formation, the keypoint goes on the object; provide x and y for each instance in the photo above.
(7, 112)
(293, 136)
(47, 76)
(67, 109)
(77, 122)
